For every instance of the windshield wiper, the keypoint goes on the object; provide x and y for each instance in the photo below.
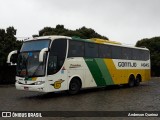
(36, 69)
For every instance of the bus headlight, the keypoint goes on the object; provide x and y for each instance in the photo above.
(39, 82)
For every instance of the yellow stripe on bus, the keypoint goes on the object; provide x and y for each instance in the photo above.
(122, 76)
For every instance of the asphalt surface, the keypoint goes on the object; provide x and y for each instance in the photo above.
(145, 97)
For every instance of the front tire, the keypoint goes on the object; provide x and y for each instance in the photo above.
(74, 87)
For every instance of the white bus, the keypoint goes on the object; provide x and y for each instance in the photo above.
(57, 63)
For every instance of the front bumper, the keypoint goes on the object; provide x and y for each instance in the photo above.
(38, 88)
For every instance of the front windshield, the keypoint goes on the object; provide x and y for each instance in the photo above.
(28, 64)
(35, 45)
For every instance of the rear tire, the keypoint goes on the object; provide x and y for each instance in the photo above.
(74, 86)
(137, 82)
(131, 82)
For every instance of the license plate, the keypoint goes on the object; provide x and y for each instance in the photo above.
(26, 88)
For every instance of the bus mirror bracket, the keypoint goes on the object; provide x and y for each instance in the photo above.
(41, 54)
(9, 57)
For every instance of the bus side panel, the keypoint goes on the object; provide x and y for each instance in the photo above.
(147, 75)
(57, 82)
(77, 67)
(99, 71)
(107, 71)
(120, 75)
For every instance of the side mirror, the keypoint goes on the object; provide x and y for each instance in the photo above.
(41, 54)
(9, 57)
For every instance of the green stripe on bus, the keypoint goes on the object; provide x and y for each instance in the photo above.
(80, 39)
(95, 71)
(104, 70)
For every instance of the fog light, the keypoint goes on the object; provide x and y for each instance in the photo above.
(18, 82)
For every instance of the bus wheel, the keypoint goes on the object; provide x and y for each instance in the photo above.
(74, 86)
(131, 81)
(137, 82)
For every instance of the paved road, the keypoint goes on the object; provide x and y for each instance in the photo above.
(145, 97)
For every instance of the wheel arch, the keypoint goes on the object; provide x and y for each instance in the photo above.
(131, 76)
(75, 77)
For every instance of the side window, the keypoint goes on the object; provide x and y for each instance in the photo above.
(91, 50)
(127, 53)
(56, 56)
(104, 51)
(141, 54)
(146, 55)
(135, 54)
(76, 49)
(116, 52)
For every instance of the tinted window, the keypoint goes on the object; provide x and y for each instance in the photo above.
(127, 53)
(146, 55)
(35, 45)
(57, 55)
(91, 50)
(137, 54)
(116, 52)
(104, 51)
(76, 49)
(140, 54)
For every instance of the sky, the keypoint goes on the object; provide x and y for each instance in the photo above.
(125, 21)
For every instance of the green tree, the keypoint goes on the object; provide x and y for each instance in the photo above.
(83, 32)
(153, 44)
(8, 43)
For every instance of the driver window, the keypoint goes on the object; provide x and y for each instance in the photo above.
(56, 56)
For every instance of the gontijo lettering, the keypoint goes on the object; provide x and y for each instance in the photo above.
(127, 64)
